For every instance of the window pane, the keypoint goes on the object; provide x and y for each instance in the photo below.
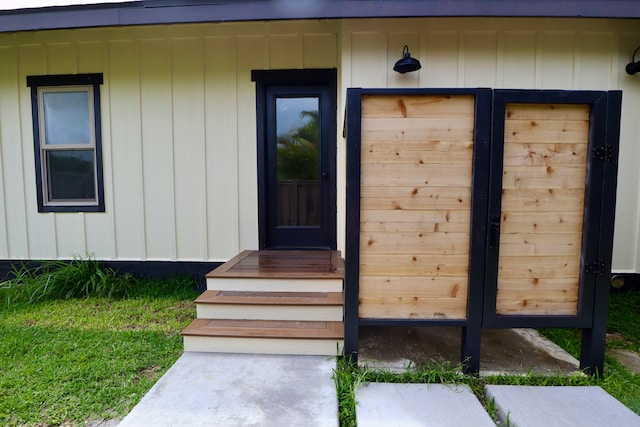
(71, 175)
(66, 117)
(298, 161)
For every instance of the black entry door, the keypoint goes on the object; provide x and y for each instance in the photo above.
(296, 158)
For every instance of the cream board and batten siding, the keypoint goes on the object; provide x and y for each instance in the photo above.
(178, 117)
(178, 132)
(514, 53)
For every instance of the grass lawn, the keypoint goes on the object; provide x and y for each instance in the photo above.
(80, 343)
(72, 360)
(623, 332)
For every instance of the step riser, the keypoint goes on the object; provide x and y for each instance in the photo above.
(274, 285)
(272, 312)
(309, 347)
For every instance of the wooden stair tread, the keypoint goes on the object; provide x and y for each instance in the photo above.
(270, 298)
(307, 264)
(265, 329)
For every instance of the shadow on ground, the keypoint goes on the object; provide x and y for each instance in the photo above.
(512, 351)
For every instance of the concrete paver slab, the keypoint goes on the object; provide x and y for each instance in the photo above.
(215, 389)
(534, 406)
(413, 405)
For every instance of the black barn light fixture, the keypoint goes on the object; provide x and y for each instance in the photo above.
(406, 64)
(633, 66)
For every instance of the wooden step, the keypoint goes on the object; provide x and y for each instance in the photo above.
(262, 284)
(307, 306)
(280, 271)
(264, 336)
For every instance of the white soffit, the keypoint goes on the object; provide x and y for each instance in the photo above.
(29, 4)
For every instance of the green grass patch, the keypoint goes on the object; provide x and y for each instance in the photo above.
(85, 357)
(623, 332)
(61, 280)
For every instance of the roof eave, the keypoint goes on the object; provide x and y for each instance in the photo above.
(180, 11)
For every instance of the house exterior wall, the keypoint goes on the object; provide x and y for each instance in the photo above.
(179, 131)
(178, 117)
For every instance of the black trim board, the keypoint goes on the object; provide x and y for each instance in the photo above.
(192, 11)
(316, 81)
(470, 347)
(95, 80)
(152, 269)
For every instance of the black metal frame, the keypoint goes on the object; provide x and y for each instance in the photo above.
(470, 348)
(312, 82)
(94, 80)
(486, 204)
(597, 102)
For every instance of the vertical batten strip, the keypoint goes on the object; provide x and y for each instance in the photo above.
(9, 123)
(221, 146)
(40, 227)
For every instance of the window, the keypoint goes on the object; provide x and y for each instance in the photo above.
(67, 143)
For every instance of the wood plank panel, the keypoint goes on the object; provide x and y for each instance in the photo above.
(415, 206)
(416, 129)
(560, 289)
(541, 200)
(409, 306)
(535, 220)
(547, 112)
(541, 244)
(549, 131)
(398, 198)
(540, 307)
(416, 243)
(393, 175)
(566, 155)
(538, 267)
(415, 220)
(414, 265)
(421, 287)
(544, 176)
(420, 152)
(412, 106)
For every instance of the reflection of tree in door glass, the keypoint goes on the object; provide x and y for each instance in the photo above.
(297, 161)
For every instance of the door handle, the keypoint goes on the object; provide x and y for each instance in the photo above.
(494, 231)
(325, 174)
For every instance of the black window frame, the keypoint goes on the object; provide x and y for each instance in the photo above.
(65, 80)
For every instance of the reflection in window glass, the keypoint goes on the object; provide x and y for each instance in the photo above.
(66, 117)
(71, 174)
(298, 162)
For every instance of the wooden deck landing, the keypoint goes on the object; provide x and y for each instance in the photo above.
(283, 264)
(276, 302)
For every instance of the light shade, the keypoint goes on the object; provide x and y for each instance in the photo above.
(633, 66)
(406, 64)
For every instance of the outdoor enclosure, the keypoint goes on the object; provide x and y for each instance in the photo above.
(415, 206)
(480, 209)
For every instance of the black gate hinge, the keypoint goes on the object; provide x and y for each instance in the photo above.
(603, 153)
(595, 267)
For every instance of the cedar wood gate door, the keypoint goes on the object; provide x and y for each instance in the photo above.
(479, 208)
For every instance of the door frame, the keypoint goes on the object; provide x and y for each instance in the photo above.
(596, 213)
(292, 78)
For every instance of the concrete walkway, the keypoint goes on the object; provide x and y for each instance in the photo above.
(215, 389)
